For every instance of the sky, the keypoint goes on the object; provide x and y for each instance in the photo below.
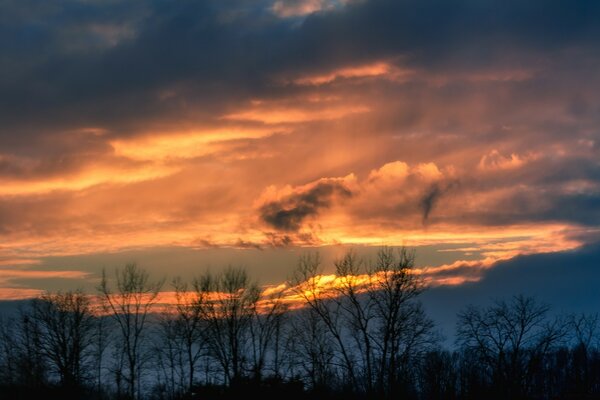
(188, 136)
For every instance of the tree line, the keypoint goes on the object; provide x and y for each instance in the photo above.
(366, 336)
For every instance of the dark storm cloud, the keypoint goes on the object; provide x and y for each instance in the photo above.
(77, 62)
(289, 213)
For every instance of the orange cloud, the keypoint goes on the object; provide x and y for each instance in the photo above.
(90, 177)
(380, 69)
(300, 8)
(18, 293)
(9, 274)
(496, 161)
(287, 9)
(18, 261)
(158, 147)
(272, 115)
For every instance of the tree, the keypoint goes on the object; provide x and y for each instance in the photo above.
(585, 329)
(31, 364)
(438, 375)
(130, 306)
(307, 282)
(181, 338)
(358, 311)
(190, 327)
(268, 314)
(583, 377)
(101, 343)
(310, 350)
(8, 352)
(170, 357)
(510, 340)
(403, 331)
(226, 304)
(374, 317)
(66, 329)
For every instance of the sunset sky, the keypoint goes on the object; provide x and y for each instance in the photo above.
(190, 135)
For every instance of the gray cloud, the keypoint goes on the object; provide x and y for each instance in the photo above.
(230, 52)
(429, 200)
(432, 196)
(289, 213)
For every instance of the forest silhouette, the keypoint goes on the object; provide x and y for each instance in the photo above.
(225, 337)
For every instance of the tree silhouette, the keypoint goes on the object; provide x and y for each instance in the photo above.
(226, 303)
(130, 306)
(372, 316)
(361, 333)
(181, 343)
(266, 327)
(510, 340)
(66, 329)
(403, 332)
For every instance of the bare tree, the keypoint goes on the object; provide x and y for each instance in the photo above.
(265, 333)
(351, 299)
(584, 338)
(510, 340)
(328, 308)
(190, 327)
(374, 317)
(227, 308)
(31, 364)
(403, 331)
(438, 378)
(8, 352)
(101, 343)
(170, 357)
(310, 350)
(66, 328)
(181, 339)
(585, 329)
(130, 306)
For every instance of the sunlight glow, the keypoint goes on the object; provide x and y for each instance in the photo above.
(85, 179)
(182, 144)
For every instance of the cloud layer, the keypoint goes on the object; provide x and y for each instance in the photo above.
(140, 124)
